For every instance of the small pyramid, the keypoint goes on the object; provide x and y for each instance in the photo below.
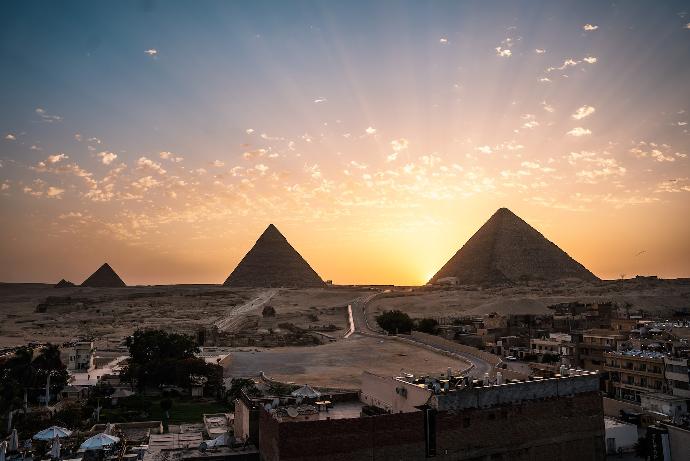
(273, 262)
(64, 284)
(508, 250)
(104, 277)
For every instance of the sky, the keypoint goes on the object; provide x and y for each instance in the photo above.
(164, 137)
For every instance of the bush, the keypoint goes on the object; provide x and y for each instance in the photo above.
(268, 311)
(395, 322)
(427, 326)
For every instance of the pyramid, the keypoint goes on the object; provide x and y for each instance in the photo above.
(273, 262)
(64, 284)
(507, 250)
(105, 277)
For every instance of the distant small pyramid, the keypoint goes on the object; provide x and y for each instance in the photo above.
(507, 250)
(64, 284)
(104, 277)
(273, 262)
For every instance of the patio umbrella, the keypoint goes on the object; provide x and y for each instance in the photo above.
(99, 441)
(52, 432)
(14, 441)
(3, 450)
(55, 449)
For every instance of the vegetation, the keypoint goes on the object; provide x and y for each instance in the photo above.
(27, 372)
(395, 322)
(427, 326)
(158, 358)
(268, 311)
(550, 358)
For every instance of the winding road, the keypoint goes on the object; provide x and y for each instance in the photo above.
(477, 369)
(237, 314)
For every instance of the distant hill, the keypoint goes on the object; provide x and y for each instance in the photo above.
(508, 250)
(104, 277)
(273, 262)
(64, 284)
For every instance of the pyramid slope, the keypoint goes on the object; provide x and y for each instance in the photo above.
(273, 262)
(104, 277)
(64, 284)
(508, 250)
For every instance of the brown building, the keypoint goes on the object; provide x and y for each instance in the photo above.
(557, 419)
(632, 373)
(593, 344)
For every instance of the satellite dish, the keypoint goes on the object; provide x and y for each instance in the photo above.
(292, 412)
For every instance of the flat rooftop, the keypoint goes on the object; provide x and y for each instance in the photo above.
(640, 354)
(340, 410)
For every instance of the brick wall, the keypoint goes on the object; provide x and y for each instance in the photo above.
(563, 428)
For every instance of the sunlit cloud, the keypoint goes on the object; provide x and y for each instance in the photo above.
(540, 51)
(582, 112)
(107, 157)
(47, 117)
(370, 130)
(443, 40)
(590, 59)
(589, 27)
(484, 149)
(320, 100)
(579, 131)
(56, 158)
(10, 137)
(658, 152)
(170, 157)
(152, 52)
(54, 192)
(547, 107)
(503, 52)
(145, 163)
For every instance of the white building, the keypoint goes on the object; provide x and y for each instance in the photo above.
(619, 436)
(677, 375)
(80, 356)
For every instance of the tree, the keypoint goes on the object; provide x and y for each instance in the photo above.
(427, 326)
(268, 311)
(550, 358)
(166, 405)
(395, 322)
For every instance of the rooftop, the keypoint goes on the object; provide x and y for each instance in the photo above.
(639, 354)
(337, 410)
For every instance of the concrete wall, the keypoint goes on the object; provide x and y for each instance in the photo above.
(486, 396)
(679, 440)
(624, 434)
(384, 392)
(613, 407)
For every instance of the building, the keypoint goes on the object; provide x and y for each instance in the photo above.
(594, 344)
(560, 418)
(665, 405)
(620, 436)
(80, 356)
(633, 373)
(677, 374)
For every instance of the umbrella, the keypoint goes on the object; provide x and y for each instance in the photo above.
(99, 441)
(14, 441)
(52, 432)
(3, 450)
(55, 449)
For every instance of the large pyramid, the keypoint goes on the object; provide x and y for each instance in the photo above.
(508, 250)
(104, 277)
(273, 262)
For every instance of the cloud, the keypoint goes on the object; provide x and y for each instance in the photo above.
(484, 149)
(503, 52)
(147, 164)
(146, 183)
(47, 117)
(545, 80)
(603, 167)
(218, 163)
(540, 51)
(530, 121)
(399, 144)
(56, 158)
(261, 168)
(673, 185)
(108, 157)
(78, 137)
(320, 100)
(152, 52)
(686, 26)
(655, 151)
(256, 153)
(569, 62)
(547, 107)
(10, 137)
(249, 130)
(579, 131)
(443, 40)
(54, 192)
(370, 130)
(589, 27)
(170, 157)
(582, 112)
(590, 59)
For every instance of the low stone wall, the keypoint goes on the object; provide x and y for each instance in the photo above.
(455, 347)
(613, 407)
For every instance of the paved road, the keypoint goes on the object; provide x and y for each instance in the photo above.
(359, 315)
(237, 314)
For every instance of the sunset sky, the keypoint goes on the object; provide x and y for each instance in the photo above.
(163, 137)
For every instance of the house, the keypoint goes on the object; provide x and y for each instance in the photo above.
(80, 356)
